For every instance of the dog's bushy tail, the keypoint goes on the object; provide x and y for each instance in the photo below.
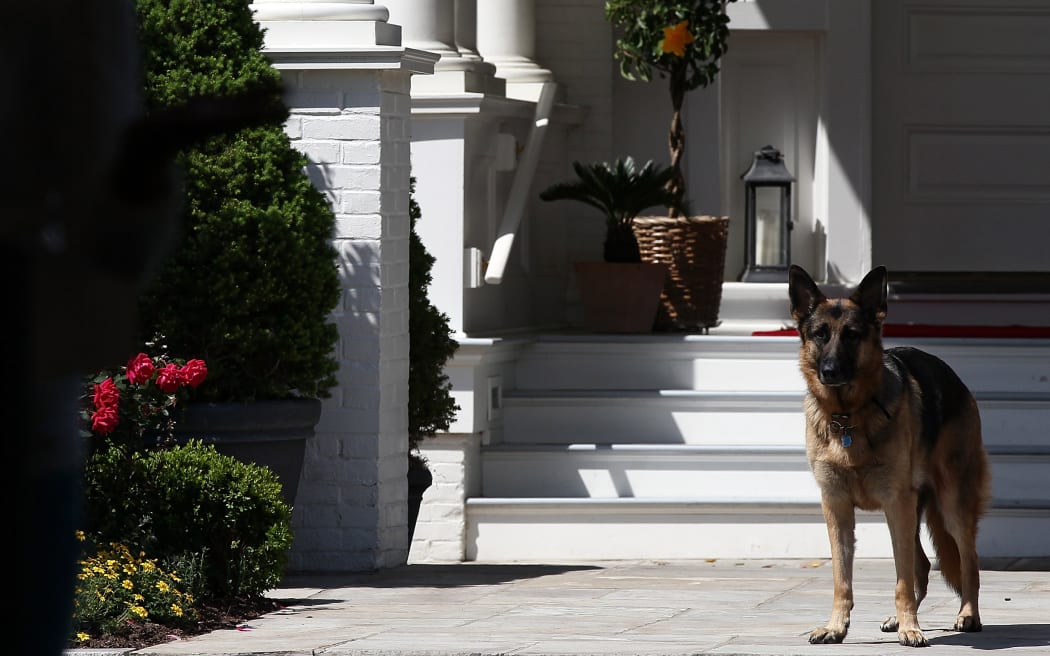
(947, 550)
(963, 509)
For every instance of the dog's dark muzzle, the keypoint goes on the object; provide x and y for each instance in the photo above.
(834, 372)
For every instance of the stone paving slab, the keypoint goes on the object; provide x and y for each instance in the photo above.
(648, 608)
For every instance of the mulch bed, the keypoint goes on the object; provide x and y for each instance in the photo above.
(212, 617)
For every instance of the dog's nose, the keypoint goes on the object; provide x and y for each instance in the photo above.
(831, 373)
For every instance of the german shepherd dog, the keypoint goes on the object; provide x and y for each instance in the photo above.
(895, 430)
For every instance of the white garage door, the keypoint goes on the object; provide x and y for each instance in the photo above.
(961, 135)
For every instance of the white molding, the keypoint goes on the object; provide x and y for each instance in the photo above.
(375, 58)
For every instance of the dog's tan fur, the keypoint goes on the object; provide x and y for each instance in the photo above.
(892, 430)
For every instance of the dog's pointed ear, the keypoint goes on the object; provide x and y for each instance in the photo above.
(871, 294)
(804, 293)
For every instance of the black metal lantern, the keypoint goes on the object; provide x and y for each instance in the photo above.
(767, 211)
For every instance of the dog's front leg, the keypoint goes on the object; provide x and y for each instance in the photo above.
(902, 518)
(839, 515)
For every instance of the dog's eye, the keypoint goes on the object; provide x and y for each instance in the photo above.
(821, 333)
(850, 334)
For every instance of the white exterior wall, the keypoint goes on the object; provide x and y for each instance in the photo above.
(575, 42)
(632, 118)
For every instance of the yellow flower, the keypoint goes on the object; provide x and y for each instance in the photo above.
(81, 537)
(163, 586)
(140, 611)
(83, 637)
(177, 610)
(138, 597)
(148, 566)
(677, 38)
(128, 584)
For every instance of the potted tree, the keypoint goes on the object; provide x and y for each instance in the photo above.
(252, 280)
(683, 41)
(621, 293)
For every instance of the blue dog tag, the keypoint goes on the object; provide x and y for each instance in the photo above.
(846, 440)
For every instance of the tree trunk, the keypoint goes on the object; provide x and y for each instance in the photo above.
(676, 136)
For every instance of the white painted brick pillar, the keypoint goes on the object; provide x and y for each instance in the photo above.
(348, 83)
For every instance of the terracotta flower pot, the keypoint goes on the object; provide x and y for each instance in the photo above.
(620, 297)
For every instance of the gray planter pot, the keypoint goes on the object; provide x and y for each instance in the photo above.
(271, 433)
(419, 479)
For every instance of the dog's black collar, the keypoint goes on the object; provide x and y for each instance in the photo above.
(839, 424)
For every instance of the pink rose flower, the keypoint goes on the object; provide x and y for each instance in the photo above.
(140, 369)
(169, 379)
(194, 372)
(105, 420)
(106, 395)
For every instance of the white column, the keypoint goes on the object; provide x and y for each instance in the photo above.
(506, 32)
(431, 25)
(467, 29)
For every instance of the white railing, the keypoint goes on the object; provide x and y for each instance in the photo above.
(519, 190)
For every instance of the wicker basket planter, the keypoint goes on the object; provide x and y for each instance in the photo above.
(694, 248)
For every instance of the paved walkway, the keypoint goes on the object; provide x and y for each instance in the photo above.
(728, 608)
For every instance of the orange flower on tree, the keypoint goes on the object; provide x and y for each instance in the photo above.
(677, 38)
(687, 55)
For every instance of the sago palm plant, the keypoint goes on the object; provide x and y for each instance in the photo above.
(621, 191)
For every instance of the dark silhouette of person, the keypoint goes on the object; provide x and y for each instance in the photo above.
(88, 204)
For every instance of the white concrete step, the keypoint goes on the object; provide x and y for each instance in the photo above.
(738, 363)
(658, 416)
(689, 417)
(646, 471)
(666, 361)
(559, 530)
(725, 474)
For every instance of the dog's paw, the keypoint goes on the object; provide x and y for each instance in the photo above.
(912, 638)
(826, 636)
(968, 623)
(889, 625)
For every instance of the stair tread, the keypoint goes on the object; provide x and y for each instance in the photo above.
(602, 447)
(778, 502)
(1040, 449)
(551, 392)
(708, 395)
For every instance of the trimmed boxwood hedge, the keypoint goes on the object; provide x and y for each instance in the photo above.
(252, 278)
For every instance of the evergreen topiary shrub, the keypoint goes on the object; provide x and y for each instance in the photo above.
(252, 279)
(190, 503)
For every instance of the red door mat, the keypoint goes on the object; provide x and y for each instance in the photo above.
(933, 330)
